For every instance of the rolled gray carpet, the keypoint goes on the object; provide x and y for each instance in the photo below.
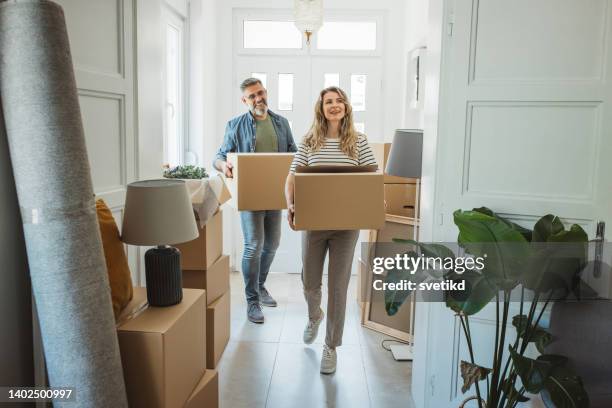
(54, 189)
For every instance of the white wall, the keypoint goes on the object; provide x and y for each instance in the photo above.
(415, 21)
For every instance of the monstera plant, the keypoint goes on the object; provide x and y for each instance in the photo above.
(535, 267)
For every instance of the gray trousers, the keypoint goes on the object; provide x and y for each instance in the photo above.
(341, 246)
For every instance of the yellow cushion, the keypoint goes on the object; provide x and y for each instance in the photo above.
(116, 262)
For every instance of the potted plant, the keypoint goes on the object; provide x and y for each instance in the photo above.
(520, 262)
(185, 172)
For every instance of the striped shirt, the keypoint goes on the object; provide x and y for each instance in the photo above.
(331, 154)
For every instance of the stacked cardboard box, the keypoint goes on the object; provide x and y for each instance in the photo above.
(400, 192)
(205, 267)
(163, 352)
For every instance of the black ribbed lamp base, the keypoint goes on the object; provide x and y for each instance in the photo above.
(164, 277)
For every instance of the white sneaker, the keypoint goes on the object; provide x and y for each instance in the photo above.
(328, 360)
(312, 328)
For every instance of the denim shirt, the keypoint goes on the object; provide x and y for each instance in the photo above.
(240, 135)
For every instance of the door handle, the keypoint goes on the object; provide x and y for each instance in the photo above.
(600, 235)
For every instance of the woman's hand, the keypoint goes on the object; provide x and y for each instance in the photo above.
(291, 215)
(289, 189)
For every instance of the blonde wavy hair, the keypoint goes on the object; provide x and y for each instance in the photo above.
(315, 138)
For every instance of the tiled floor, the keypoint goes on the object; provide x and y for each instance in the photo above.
(269, 366)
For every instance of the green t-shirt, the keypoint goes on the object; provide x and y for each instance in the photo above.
(265, 136)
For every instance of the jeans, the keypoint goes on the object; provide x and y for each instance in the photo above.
(261, 230)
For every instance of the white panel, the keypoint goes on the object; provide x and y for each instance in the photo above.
(271, 34)
(565, 44)
(95, 22)
(102, 121)
(347, 35)
(514, 149)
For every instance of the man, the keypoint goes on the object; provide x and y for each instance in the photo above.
(257, 131)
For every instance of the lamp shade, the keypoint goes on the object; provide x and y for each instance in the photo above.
(406, 155)
(158, 212)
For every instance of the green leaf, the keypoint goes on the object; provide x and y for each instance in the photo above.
(395, 298)
(545, 227)
(429, 249)
(533, 373)
(542, 339)
(557, 265)
(538, 335)
(505, 249)
(479, 291)
(551, 375)
(471, 373)
(565, 388)
(186, 172)
(526, 233)
(511, 392)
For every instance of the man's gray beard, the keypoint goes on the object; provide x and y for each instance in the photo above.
(259, 112)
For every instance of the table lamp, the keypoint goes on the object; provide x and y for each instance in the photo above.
(159, 212)
(405, 160)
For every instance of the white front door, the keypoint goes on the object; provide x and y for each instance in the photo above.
(525, 125)
(293, 84)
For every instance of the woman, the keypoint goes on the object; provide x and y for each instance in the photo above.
(331, 140)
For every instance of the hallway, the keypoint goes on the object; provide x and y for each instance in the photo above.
(269, 366)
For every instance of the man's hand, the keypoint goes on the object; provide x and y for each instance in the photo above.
(227, 169)
(291, 215)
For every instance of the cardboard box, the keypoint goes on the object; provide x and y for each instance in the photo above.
(339, 201)
(381, 154)
(136, 306)
(163, 351)
(259, 180)
(203, 251)
(215, 280)
(206, 196)
(217, 329)
(400, 199)
(206, 393)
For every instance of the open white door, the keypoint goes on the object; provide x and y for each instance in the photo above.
(525, 119)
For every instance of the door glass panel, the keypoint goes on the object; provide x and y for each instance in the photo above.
(331, 80)
(358, 92)
(262, 77)
(271, 34)
(347, 35)
(285, 92)
(360, 127)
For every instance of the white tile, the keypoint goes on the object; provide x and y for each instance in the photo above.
(297, 382)
(245, 371)
(244, 330)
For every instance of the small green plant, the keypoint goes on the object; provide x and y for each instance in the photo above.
(545, 263)
(185, 172)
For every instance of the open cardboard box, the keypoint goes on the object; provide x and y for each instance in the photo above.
(258, 181)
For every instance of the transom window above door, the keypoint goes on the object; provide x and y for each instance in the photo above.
(344, 33)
